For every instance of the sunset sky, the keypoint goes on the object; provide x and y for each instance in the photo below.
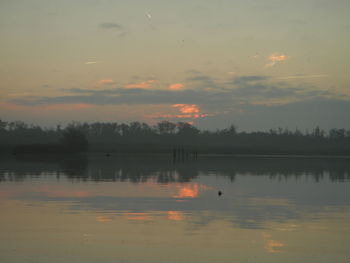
(257, 64)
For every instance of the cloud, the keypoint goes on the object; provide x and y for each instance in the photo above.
(187, 108)
(187, 112)
(176, 86)
(201, 78)
(122, 32)
(105, 82)
(237, 96)
(275, 58)
(302, 76)
(92, 62)
(109, 25)
(247, 89)
(309, 113)
(141, 85)
(244, 80)
(203, 81)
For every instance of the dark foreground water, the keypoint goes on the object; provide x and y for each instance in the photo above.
(149, 209)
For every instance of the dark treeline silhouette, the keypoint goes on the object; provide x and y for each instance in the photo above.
(139, 169)
(166, 136)
(72, 140)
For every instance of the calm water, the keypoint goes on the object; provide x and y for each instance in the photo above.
(149, 209)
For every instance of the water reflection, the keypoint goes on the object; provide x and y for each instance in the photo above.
(141, 169)
(256, 190)
(270, 208)
(271, 246)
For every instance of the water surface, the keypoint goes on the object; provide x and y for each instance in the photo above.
(149, 209)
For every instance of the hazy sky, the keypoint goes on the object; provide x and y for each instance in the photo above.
(258, 64)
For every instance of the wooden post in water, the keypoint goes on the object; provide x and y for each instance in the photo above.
(180, 153)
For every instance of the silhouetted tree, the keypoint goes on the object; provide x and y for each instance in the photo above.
(187, 130)
(141, 136)
(166, 127)
(74, 140)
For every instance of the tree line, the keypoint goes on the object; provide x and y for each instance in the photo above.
(139, 136)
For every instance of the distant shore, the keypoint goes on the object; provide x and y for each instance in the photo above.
(182, 140)
(38, 149)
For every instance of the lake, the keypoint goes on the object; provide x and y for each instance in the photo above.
(98, 208)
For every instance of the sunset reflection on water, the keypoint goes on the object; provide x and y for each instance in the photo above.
(259, 218)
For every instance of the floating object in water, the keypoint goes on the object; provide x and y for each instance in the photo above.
(219, 193)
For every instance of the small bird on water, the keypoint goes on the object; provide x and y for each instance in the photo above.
(219, 193)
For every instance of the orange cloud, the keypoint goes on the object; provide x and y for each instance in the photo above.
(104, 82)
(187, 111)
(176, 86)
(274, 58)
(142, 85)
(177, 116)
(187, 108)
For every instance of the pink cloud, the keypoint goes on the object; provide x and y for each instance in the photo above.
(187, 108)
(105, 82)
(185, 111)
(142, 85)
(176, 86)
(274, 58)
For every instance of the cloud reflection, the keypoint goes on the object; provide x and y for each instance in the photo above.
(175, 215)
(189, 190)
(270, 245)
(138, 216)
(104, 219)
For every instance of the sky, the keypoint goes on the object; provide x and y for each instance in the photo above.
(256, 64)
